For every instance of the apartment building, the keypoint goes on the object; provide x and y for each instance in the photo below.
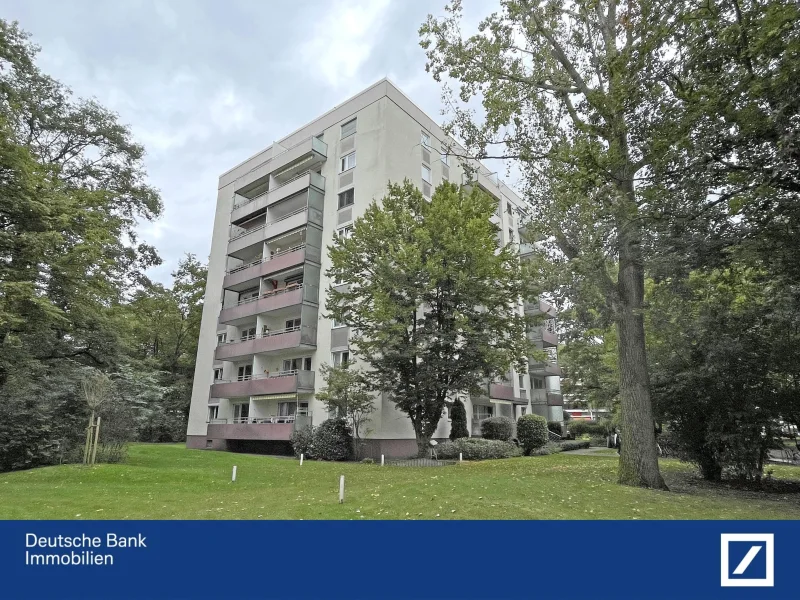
(264, 333)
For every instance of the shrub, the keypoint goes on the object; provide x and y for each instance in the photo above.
(555, 427)
(332, 440)
(548, 448)
(574, 445)
(112, 452)
(497, 428)
(367, 461)
(599, 441)
(477, 449)
(580, 428)
(458, 421)
(532, 432)
(301, 441)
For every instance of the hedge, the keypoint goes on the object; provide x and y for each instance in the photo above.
(574, 445)
(589, 427)
(548, 448)
(477, 449)
(497, 428)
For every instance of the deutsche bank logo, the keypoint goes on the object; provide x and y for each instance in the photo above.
(748, 559)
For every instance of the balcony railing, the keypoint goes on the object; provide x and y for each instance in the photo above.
(240, 232)
(263, 334)
(289, 373)
(289, 288)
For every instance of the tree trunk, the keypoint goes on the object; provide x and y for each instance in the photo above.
(638, 463)
(423, 445)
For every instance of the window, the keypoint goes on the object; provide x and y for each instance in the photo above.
(538, 383)
(510, 235)
(445, 159)
(292, 323)
(221, 338)
(287, 409)
(307, 363)
(336, 324)
(425, 139)
(341, 358)
(426, 174)
(213, 413)
(241, 412)
(348, 162)
(481, 412)
(349, 128)
(509, 210)
(522, 382)
(293, 279)
(523, 410)
(248, 334)
(347, 197)
(217, 374)
(345, 232)
(245, 373)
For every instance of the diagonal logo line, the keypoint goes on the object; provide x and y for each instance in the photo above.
(748, 558)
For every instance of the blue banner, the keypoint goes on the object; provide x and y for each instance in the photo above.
(399, 559)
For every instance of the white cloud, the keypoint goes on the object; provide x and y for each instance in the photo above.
(342, 40)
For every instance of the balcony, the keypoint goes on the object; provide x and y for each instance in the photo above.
(545, 334)
(286, 164)
(500, 391)
(244, 208)
(284, 382)
(241, 277)
(544, 369)
(296, 337)
(221, 429)
(540, 307)
(291, 295)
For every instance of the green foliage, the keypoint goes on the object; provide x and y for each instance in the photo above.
(477, 449)
(597, 428)
(458, 421)
(546, 450)
(302, 440)
(497, 428)
(574, 445)
(347, 394)
(331, 440)
(532, 432)
(555, 426)
(429, 297)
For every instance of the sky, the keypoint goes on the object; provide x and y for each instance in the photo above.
(205, 84)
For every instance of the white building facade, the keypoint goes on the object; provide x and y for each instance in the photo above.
(264, 335)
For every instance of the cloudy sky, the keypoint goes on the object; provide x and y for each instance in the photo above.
(204, 84)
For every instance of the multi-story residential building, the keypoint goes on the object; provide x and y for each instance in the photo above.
(264, 334)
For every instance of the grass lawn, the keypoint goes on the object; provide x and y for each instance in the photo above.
(170, 482)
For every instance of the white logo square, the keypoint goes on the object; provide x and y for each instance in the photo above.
(767, 541)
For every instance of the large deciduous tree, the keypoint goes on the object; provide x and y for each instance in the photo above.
(430, 298)
(574, 90)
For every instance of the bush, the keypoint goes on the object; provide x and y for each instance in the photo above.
(332, 440)
(548, 448)
(458, 421)
(477, 449)
(598, 441)
(113, 452)
(367, 461)
(574, 445)
(532, 432)
(555, 427)
(497, 428)
(579, 428)
(302, 440)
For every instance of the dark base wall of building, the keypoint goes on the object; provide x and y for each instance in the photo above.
(371, 448)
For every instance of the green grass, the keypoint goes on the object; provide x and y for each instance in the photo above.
(170, 482)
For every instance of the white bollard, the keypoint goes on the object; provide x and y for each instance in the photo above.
(301, 460)
(341, 489)
(381, 459)
(233, 476)
(460, 456)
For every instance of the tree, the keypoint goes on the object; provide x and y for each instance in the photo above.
(458, 420)
(429, 297)
(575, 92)
(347, 395)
